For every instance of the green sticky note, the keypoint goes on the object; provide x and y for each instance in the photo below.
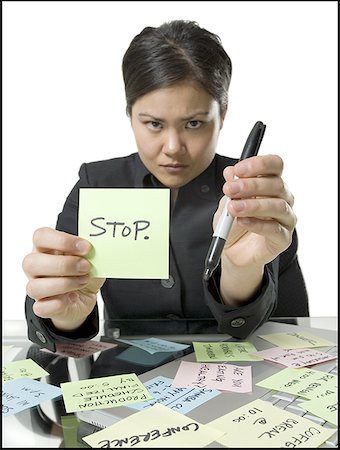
(104, 392)
(225, 351)
(23, 368)
(129, 231)
(325, 406)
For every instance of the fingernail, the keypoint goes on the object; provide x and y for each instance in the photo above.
(83, 265)
(83, 246)
(239, 205)
(83, 280)
(234, 187)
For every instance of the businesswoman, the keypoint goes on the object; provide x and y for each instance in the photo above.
(176, 79)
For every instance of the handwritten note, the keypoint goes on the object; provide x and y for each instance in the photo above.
(259, 424)
(155, 427)
(81, 349)
(325, 407)
(225, 377)
(154, 345)
(225, 351)
(295, 358)
(24, 393)
(293, 339)
(23, 368)
(103, 392)
(181, 400)
(129, 231)
(306, 383)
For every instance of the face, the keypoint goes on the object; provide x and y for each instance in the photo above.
(176, 130)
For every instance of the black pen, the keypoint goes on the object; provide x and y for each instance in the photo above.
(251, 147)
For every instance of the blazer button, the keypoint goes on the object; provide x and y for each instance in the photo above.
(168, 283)
(40, 336)
(236, 323)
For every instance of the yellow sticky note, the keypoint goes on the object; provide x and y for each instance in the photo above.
(294, 339)
(225, 351)
(259, 424)
(104, 392)
(129, 231)
(155, 427)
(304, 382)
(325, 406)
(23, 368)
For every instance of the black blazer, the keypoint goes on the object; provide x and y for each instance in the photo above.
(183, 303)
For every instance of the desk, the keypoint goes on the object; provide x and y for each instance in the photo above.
(37, 428)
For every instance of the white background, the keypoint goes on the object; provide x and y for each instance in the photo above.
(63, 104)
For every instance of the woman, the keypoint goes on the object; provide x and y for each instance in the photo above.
(176, 83)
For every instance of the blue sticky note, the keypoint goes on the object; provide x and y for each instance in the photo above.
(154, 345)
(24, 393)
(181, 400)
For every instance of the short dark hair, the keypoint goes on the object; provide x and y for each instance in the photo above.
(175, 51)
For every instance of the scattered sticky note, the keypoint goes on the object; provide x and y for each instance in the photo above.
(129, 231)
(23, 368)
(154, 345)
(225, 351)
(181, 400)
(259, 424)
(225, 377)
(155, 427)
(103, 392)
(325, 407)
(300, 357)
(306, 383)
(24, 393)
(81, 349)
(5, 348)
(293, 339)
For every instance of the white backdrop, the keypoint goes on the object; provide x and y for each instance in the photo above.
(63, 104)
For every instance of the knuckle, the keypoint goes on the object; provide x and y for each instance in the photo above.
(27, 263)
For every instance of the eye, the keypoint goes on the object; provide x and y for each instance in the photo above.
(194, 124)
(154, 125)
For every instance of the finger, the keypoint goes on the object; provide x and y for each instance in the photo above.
(279, 236)
(46, 265)
(259, 166)
(264, 208)
(270, 186)
(49, 240)
(40, 288)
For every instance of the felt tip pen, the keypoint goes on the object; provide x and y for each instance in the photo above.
(251, 148)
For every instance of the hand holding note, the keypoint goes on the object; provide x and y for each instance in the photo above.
(59, 279)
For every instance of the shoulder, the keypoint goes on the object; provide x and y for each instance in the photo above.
(110, 170)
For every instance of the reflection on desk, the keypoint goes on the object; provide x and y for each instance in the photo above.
(50, 426)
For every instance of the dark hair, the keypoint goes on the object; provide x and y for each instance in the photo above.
(176, 51)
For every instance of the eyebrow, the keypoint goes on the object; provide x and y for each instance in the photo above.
(191, 117)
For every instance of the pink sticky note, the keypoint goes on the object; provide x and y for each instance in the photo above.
(299, 357)
(82, 349)
(221, 376)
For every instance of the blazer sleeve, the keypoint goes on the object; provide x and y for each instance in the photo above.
(283, 293)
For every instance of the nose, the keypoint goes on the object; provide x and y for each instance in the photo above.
(173, 143)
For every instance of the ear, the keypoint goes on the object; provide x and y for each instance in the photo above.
(224, 109)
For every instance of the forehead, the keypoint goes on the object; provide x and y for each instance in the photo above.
(182, 98)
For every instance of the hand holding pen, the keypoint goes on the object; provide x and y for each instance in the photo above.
(225, 222)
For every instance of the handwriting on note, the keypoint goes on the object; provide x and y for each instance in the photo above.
(224, 377)
(294, 339)
(81, 349)
(155, 427)
(306, 383)
(24, 393)
(182, 400)
(261, 425)
(153, 345)
(225, 351)
(325, 407)
(24, 368)
(129, 231)
(104, 392)
(295, 358)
